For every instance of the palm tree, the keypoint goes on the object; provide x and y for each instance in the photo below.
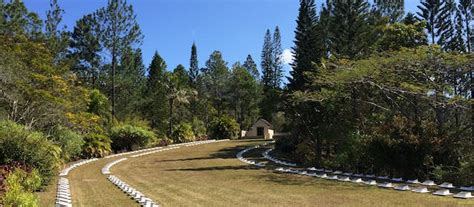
(176, 93)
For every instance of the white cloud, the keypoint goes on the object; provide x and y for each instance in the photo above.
(287, 56)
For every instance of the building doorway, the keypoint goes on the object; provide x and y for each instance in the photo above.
(260, 131)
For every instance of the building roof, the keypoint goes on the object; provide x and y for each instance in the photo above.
(264, 121)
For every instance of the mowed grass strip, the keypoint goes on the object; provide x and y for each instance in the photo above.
(90, 188)
(209, 175)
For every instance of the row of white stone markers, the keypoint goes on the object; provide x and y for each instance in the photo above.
(63, 193)
(129, 190)
(64, 197)
(132, 192)
(410, 185)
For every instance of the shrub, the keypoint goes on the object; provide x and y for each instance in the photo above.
(96, 145)
(20, 188)
(199, 128)
(129, 137)
(224, 128)
(31, 148)
(183, 133)
(69, 141)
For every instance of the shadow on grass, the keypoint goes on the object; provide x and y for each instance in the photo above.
(291, 179)
(224, 153)
(230, 167)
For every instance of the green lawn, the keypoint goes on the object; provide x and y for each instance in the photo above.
(210, 175)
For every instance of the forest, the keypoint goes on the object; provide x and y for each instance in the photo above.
(372, 89)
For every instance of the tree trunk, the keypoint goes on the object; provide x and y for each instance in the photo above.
(114, 63)
(170, 129)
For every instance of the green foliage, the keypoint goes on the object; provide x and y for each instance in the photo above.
(28, 147)
(20, 189)
(17, 20)
(119, 30)
(69, 141)
(129, 137)
(398, 35)
(156, 107)
(96, 145)
(193, 66)
(84, 49)
(199, 127)
(224, 127)
(183, 133)
(245, 97)
(399, 113)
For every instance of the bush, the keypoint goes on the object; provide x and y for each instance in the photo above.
(69, 141)
(96, 145)
(199, 128)
(129, 137)
(224, 128)
(20, 188)
(183, 133)
(31, 148)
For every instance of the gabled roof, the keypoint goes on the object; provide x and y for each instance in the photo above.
(264, 121)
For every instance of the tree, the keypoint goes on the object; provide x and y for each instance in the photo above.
(177, 92)
(350, 28)
(410, 18)
(245, 96)
(466, 8)
(398, 35)
(277, 59)
(119, 30)
(392, 9)
(215, 82)
(17, 20)
(131, 81)
(267, 63)
(193, 65)
(251, 67)
(85, 48)
(305, 50)
(57, 39)
(156, 109)
(432, 12)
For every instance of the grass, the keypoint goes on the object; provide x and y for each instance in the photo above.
(209, 175)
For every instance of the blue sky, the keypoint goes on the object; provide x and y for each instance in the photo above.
(235, 27)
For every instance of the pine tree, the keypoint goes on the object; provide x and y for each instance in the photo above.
(349, 28)
(446, 26)
(131, 83)
(57, 39)
(84, 49)
(394, 9)
(193, 65)
(119, 30)
(277, 61)
(251, 67)
(267, 63)
(155, 108)
(410, 18)
(215, 80)
(466, 8)
(432, 11)
(306, 49)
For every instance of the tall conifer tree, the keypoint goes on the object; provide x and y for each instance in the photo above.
(267, 63)
(119, 30)
(432, 11)
(277, 61)
(193, 65)
(251, 67)
(306, 49)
